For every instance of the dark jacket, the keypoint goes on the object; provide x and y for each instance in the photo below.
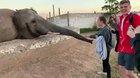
(106, 33)
(136, 44)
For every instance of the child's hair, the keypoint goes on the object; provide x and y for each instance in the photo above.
(102, 18)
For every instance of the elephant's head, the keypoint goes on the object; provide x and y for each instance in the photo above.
(30, 25)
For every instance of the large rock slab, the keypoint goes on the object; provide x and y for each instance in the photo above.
(49, 56)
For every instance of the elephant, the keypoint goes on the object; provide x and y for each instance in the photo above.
(30, 25)
(27, 24)
(7, 27)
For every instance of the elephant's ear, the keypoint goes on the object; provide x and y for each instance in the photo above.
(14, 13)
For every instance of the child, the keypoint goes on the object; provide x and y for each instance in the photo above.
(107, 35)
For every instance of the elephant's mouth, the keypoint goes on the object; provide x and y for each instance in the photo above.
(34, 33)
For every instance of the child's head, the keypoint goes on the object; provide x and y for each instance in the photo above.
(101, 21)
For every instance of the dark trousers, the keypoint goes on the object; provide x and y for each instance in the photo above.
(106, 65)
(137, 61)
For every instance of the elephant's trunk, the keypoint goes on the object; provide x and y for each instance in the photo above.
(64, 31)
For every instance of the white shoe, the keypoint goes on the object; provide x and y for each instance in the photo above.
(102, 73)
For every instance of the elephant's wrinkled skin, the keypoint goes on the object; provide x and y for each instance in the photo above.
(30, 25)
(7, 28)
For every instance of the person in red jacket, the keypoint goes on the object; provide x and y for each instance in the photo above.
(124, 47)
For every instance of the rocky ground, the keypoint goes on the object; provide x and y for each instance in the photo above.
(53, 57)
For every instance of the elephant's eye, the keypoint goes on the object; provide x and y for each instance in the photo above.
(34, 22)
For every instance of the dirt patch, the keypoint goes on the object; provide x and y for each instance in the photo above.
(71, 58)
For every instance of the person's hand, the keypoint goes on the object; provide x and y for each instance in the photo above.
(113, 30)
(131, 33)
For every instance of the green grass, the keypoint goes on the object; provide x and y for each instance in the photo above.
(85, 30)
(114, 66)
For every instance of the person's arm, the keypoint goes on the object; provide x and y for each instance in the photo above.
(137, 43)
(135, 37)
(137, 49)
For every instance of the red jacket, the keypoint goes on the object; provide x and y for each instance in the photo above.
(124, 44)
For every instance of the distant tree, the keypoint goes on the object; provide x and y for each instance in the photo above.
(111, 6)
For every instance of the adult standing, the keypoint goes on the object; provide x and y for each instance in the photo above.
(124, 47)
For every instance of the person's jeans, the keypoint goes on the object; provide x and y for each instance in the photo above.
(106, 65)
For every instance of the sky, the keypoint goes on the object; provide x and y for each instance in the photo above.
(43, 7)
